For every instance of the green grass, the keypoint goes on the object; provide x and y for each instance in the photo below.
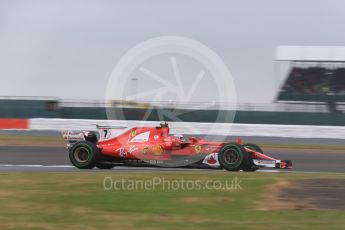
(79, 201)
(31, 138)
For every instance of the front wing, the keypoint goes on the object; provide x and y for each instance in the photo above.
(261, 161)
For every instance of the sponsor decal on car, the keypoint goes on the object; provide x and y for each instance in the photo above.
(153, 162)
(142, 137)
(145, 150)
(265, 163)
(197, 148)
(157, 150)
(73, 136)
(122, 152)
(211, 159)
(132, 148)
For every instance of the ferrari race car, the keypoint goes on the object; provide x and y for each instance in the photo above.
(107, 147)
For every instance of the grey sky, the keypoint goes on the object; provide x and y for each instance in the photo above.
(68, 48)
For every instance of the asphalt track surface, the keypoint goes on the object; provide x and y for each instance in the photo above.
(55, 159)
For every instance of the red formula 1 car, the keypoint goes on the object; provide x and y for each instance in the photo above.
(155, 146)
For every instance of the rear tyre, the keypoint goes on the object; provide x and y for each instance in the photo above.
(104, 166)
(232, 156)
(250, 166)
(84, 155)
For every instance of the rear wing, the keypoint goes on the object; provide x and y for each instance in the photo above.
(110, 127)
(102, 133)
(71, 137)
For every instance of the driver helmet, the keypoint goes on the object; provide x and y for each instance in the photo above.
(179, 136)
(164, 124)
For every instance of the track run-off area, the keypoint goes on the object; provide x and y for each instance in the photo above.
(28, 158)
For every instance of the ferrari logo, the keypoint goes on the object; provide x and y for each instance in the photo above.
(133, 133)
(197, 148)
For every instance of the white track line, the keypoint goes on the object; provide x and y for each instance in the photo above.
(271, 170)
(123, 168)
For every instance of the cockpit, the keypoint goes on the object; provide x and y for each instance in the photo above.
(181, 138)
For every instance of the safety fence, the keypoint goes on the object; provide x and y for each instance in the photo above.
(191, 128)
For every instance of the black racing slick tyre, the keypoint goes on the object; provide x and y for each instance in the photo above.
(250, 166)
(104, 166)
(84, 155)
(232, 157)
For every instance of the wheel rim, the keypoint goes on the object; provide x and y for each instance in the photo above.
(82, 155)
(231, 157)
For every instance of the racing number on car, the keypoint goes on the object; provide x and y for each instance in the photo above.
(106, 134)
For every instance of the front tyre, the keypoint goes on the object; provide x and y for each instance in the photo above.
(232, 156)
(250, 166)
(84, 155)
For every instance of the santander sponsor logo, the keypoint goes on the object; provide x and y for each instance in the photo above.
(70, 135)
(211, 160)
